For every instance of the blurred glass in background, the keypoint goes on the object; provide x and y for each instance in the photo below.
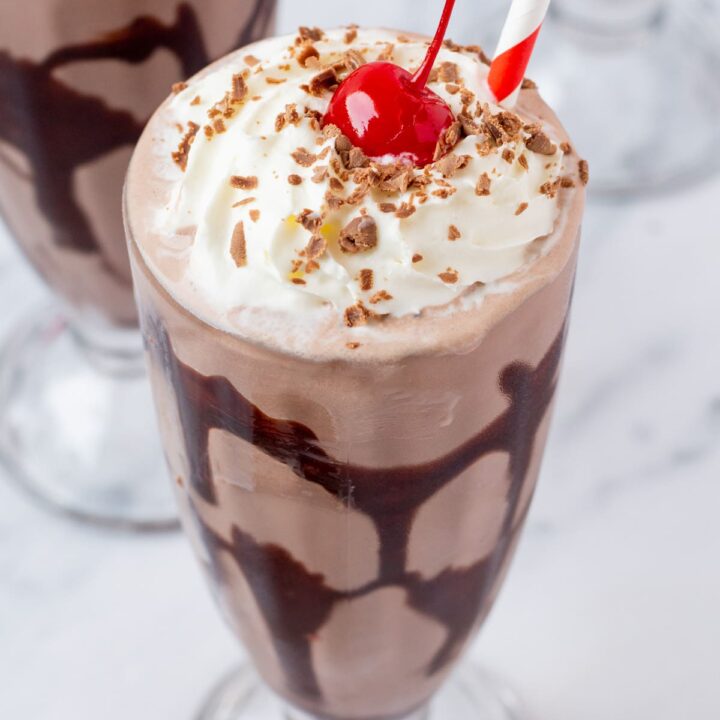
(637, 83)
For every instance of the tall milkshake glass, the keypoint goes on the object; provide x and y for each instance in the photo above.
(78, 80)
(354, 363)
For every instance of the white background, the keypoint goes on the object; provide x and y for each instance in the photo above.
(612, 609)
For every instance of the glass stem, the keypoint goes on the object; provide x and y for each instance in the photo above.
(421, 714)
(610, 17)
(114, 351)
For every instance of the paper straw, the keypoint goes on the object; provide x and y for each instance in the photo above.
(515, 49)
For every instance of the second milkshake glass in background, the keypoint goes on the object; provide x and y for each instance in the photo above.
(78, 80)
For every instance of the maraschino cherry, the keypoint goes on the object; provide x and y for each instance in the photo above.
(384, 110)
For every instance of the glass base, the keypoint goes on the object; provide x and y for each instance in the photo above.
(641, 102)
(470, 694)
(77, 427)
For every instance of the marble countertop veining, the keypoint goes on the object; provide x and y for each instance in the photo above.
(611, 610)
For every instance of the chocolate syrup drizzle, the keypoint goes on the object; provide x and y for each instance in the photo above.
(295, 602)
(59, 129)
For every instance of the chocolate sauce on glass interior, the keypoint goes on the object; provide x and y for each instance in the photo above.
(295, 602)
(58, 129)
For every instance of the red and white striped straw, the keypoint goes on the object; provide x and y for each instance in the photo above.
(515, 48)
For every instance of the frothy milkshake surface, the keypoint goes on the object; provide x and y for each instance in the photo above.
(260, 208)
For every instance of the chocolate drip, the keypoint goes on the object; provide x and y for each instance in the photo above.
(257, 24)
(136, 42)
(59, 129)
(296, 602)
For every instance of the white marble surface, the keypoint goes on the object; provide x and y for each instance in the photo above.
(611, 610)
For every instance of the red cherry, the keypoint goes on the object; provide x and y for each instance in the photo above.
(384, 110)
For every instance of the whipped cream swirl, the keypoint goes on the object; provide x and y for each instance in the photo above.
(285, 216)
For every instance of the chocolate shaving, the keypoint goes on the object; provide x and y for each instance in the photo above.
(357, 195)
(246, 201)
(342, 143)
(550, 189)
(405, 211)
(298, 281)
(304, 157)
(469, 126)
(540, 143)
(295, 179)
(251, 60)
(448, 140)
(180, 156)
(445, 192)
(387, 207)
(323, 82)
(254, 215)
(387, 53)
(380, 296)
(352, 345)
(523, 162)
(351, 35)
(320, 173)
(291, 116)
(450, 276)
(366, 279)
(334, 202)
(353, 59)
(309, 33)
(360, 235)
(503, 127)
(485, 147)
(332, 131)
(357, 159)
(508, 156)
(394, 179)
(454, 233)
(238, 246)
(449, 72)
(521, 208)
(356, 315)
(177, 88)
(566, 147)
(483, 185)
(316, 248)
(567, 182)
(196, 100)
(310, 220)
(451, 164)
(239, 89)
(417, 257)
(584, 170)
(241, 182)
(466, 98)
(306, 51)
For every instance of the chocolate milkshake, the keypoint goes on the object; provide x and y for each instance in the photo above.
(78, 80)
(354, 360)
